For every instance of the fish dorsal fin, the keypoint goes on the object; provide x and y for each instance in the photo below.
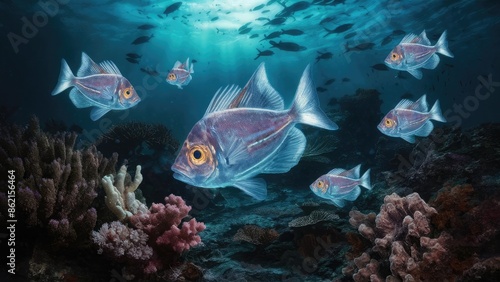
(177, 65)
(420, 105)
(110, 67)
(336, 171)
(352, 173)
(223, 98)
(88, 67)
(404, 104)
(409, 38)
(257, 93)
(423, 39)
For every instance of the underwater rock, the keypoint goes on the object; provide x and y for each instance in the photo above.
(256, 235)
(313, 218)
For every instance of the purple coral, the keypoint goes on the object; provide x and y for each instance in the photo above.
(400, 235)
(121, 241)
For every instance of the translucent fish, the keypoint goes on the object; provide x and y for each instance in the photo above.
(100, 86)
(180, 74)
(409, 119)
(416, 52)
(246, 132)
(340, 185)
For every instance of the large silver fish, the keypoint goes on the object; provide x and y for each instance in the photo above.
(100, 86)
(247, 132)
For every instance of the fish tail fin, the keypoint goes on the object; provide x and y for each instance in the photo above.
(66, 78)
(306, 108)
(436, 113)
(442, 46)
(365, 180)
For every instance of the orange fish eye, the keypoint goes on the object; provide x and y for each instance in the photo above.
(395, 56)
(321, 185)
(199, 154)
(389, 122)
(171, 76)
(127, 92)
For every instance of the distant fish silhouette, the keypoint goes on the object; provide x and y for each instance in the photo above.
(146, 26)
(142, 39)
(172, 8)
(264, 53)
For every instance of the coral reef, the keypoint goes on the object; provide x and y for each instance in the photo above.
(151, 240)
(400, 235)
(56, 184)
(120, 198)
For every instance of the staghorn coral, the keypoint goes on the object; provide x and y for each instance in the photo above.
(400, 236)
(56, 184)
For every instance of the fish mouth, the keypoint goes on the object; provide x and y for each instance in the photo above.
(179, 175)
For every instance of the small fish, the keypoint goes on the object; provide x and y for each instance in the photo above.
(214, 19)
(330, 81)
(244, 26)
(321, 89)
(386, 40)
(415, 52)
(245, 30)
(276, 21)
(380, 67)
(142, 39)
(339, 29)
(288, 46)
(132, 60)
(346, 79)
(133, 55)
(327, 19)
(323, 56)
(100, 86)
(180, 74)
(293, 32)
(350, 35)
(254, 35)
(272, 35)
(409, 119)
(246, 132)
(256, 8)
(150, 71)
(146, 26)
(398, 32)
(172, 8)
(264, 53)
(359, 47)
(340, 185)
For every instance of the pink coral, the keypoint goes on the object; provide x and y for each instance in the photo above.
(182, 239)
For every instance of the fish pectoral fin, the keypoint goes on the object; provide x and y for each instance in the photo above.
(177, 65)
(79, 100)
(431, 63)
(338, 202)
(409, 138)
(416, 73)
(353, 195)
(96, 113)
(288, 154)
(255, 187)
(425, 130)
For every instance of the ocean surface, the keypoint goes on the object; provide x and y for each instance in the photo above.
(345, 43)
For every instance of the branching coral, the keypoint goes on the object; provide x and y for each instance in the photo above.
(56, 184)
(153, 233)
(120, 198)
